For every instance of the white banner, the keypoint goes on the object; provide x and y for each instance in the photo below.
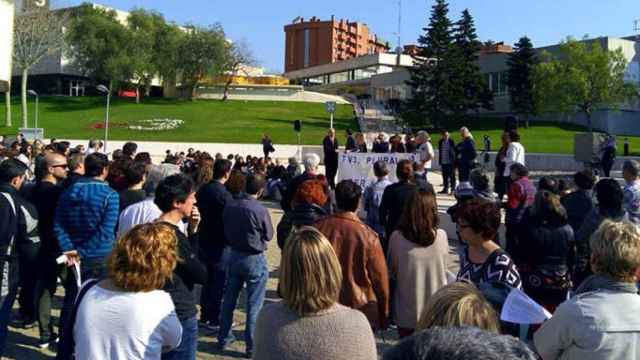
(6, 39)
(359, 166)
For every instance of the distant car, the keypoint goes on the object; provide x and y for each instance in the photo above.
(127, 93)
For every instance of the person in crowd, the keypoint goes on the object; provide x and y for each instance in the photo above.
(129, 150)
(330, 146)
(310, 323)
(351, 142)
(175, 197)
(610, 197)
(373, 196)
(46, 194)
(447, 158)
(631, 200)
(466, 154)
(213, 198)
(417, 258)
(267, 145)
(135, 176)
(307, 209)
(248, 230)
(147, 211)
(608, 155)
(544, 249)
(425, 150)
(598, 322)
(75, 169)
(143, 157)
(12, 223)
(394, 199)
(127, 315)
(520, 197)
(365, 284)
(482, 260)
(548, 184)
(459, 343)
(361, 144)
(515, 152)
(93, 147)
(396, 144)
(86, 217)
(458, 305)
(311, 163)
(410, 144)
(478, 187)
(579, 203)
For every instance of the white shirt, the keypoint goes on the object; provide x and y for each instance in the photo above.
(426, 151)
(515, 154)
(143, 212)
(125, 325)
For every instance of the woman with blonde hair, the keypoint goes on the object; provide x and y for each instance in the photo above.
(309, 323)
(459, 304)
(126, 315)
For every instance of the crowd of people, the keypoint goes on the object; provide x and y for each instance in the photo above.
(132, 241)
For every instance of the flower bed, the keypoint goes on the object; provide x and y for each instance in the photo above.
(156, 125)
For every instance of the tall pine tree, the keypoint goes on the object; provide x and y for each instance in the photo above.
(520, 78)
(430, 76)
(471, 91)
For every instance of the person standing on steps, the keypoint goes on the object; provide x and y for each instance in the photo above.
(330, 146)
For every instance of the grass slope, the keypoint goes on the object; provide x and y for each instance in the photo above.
(204, 120)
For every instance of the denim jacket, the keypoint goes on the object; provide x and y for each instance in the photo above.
(372, 199)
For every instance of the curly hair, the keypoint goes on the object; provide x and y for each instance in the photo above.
(144, 258)
(483, 217)
(311, 192)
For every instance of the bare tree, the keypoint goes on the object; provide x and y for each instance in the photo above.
(37, 33)
(238, 57)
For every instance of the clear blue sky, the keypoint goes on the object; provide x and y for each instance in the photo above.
(261, 22)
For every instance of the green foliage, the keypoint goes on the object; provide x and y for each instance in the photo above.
(521, 65)
(144, 27)
(203, 53)
(100, 46)
(430, 76)
(583, 77)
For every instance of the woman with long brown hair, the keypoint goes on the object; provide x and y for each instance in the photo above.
(418, 253)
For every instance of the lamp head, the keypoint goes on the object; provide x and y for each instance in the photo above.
(32, 93)
(103, 89)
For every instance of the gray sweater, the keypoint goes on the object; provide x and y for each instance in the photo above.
(335, 334)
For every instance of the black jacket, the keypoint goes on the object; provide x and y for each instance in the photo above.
(330, 150)
(394, 199)
(188, 272)
(351, 143)
(466, 151)
(301, 215)
(578, 205)
(544, 244)
(380, 147)
(212, 199)
(45, 198)
(451, 154)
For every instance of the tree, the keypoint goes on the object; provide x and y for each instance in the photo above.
(471, 90)
(202, 55)
(144, 27)
(37, 33)
(167, 55)
(100, 45)
(237, 56)
(583, 78)
(430, 75)
(521, 64)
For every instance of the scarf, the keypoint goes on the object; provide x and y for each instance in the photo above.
(601, 282)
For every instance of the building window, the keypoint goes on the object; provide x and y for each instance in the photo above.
(498, 83)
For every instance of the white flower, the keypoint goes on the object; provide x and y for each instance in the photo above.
(156, 125)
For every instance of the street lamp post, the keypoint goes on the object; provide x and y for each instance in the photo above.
(33, 93)
(106, 90)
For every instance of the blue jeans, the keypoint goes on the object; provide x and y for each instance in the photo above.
(189, 344)
(243, 268)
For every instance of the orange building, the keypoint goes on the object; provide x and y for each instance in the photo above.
(315, 42)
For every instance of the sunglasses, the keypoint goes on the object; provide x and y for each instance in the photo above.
(64, 166)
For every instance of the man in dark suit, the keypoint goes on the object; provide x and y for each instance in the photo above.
(330, 146)
(447, 158)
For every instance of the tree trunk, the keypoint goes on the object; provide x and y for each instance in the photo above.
(226, 89)
(193, 95)
(137, 94)
(23, 95)
(7, 97)
(589, 124)
(526, 121)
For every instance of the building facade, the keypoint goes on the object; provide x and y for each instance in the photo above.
(315, 42)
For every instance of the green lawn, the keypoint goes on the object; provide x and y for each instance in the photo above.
(245, 122)
(540, 137)
(204, 120)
